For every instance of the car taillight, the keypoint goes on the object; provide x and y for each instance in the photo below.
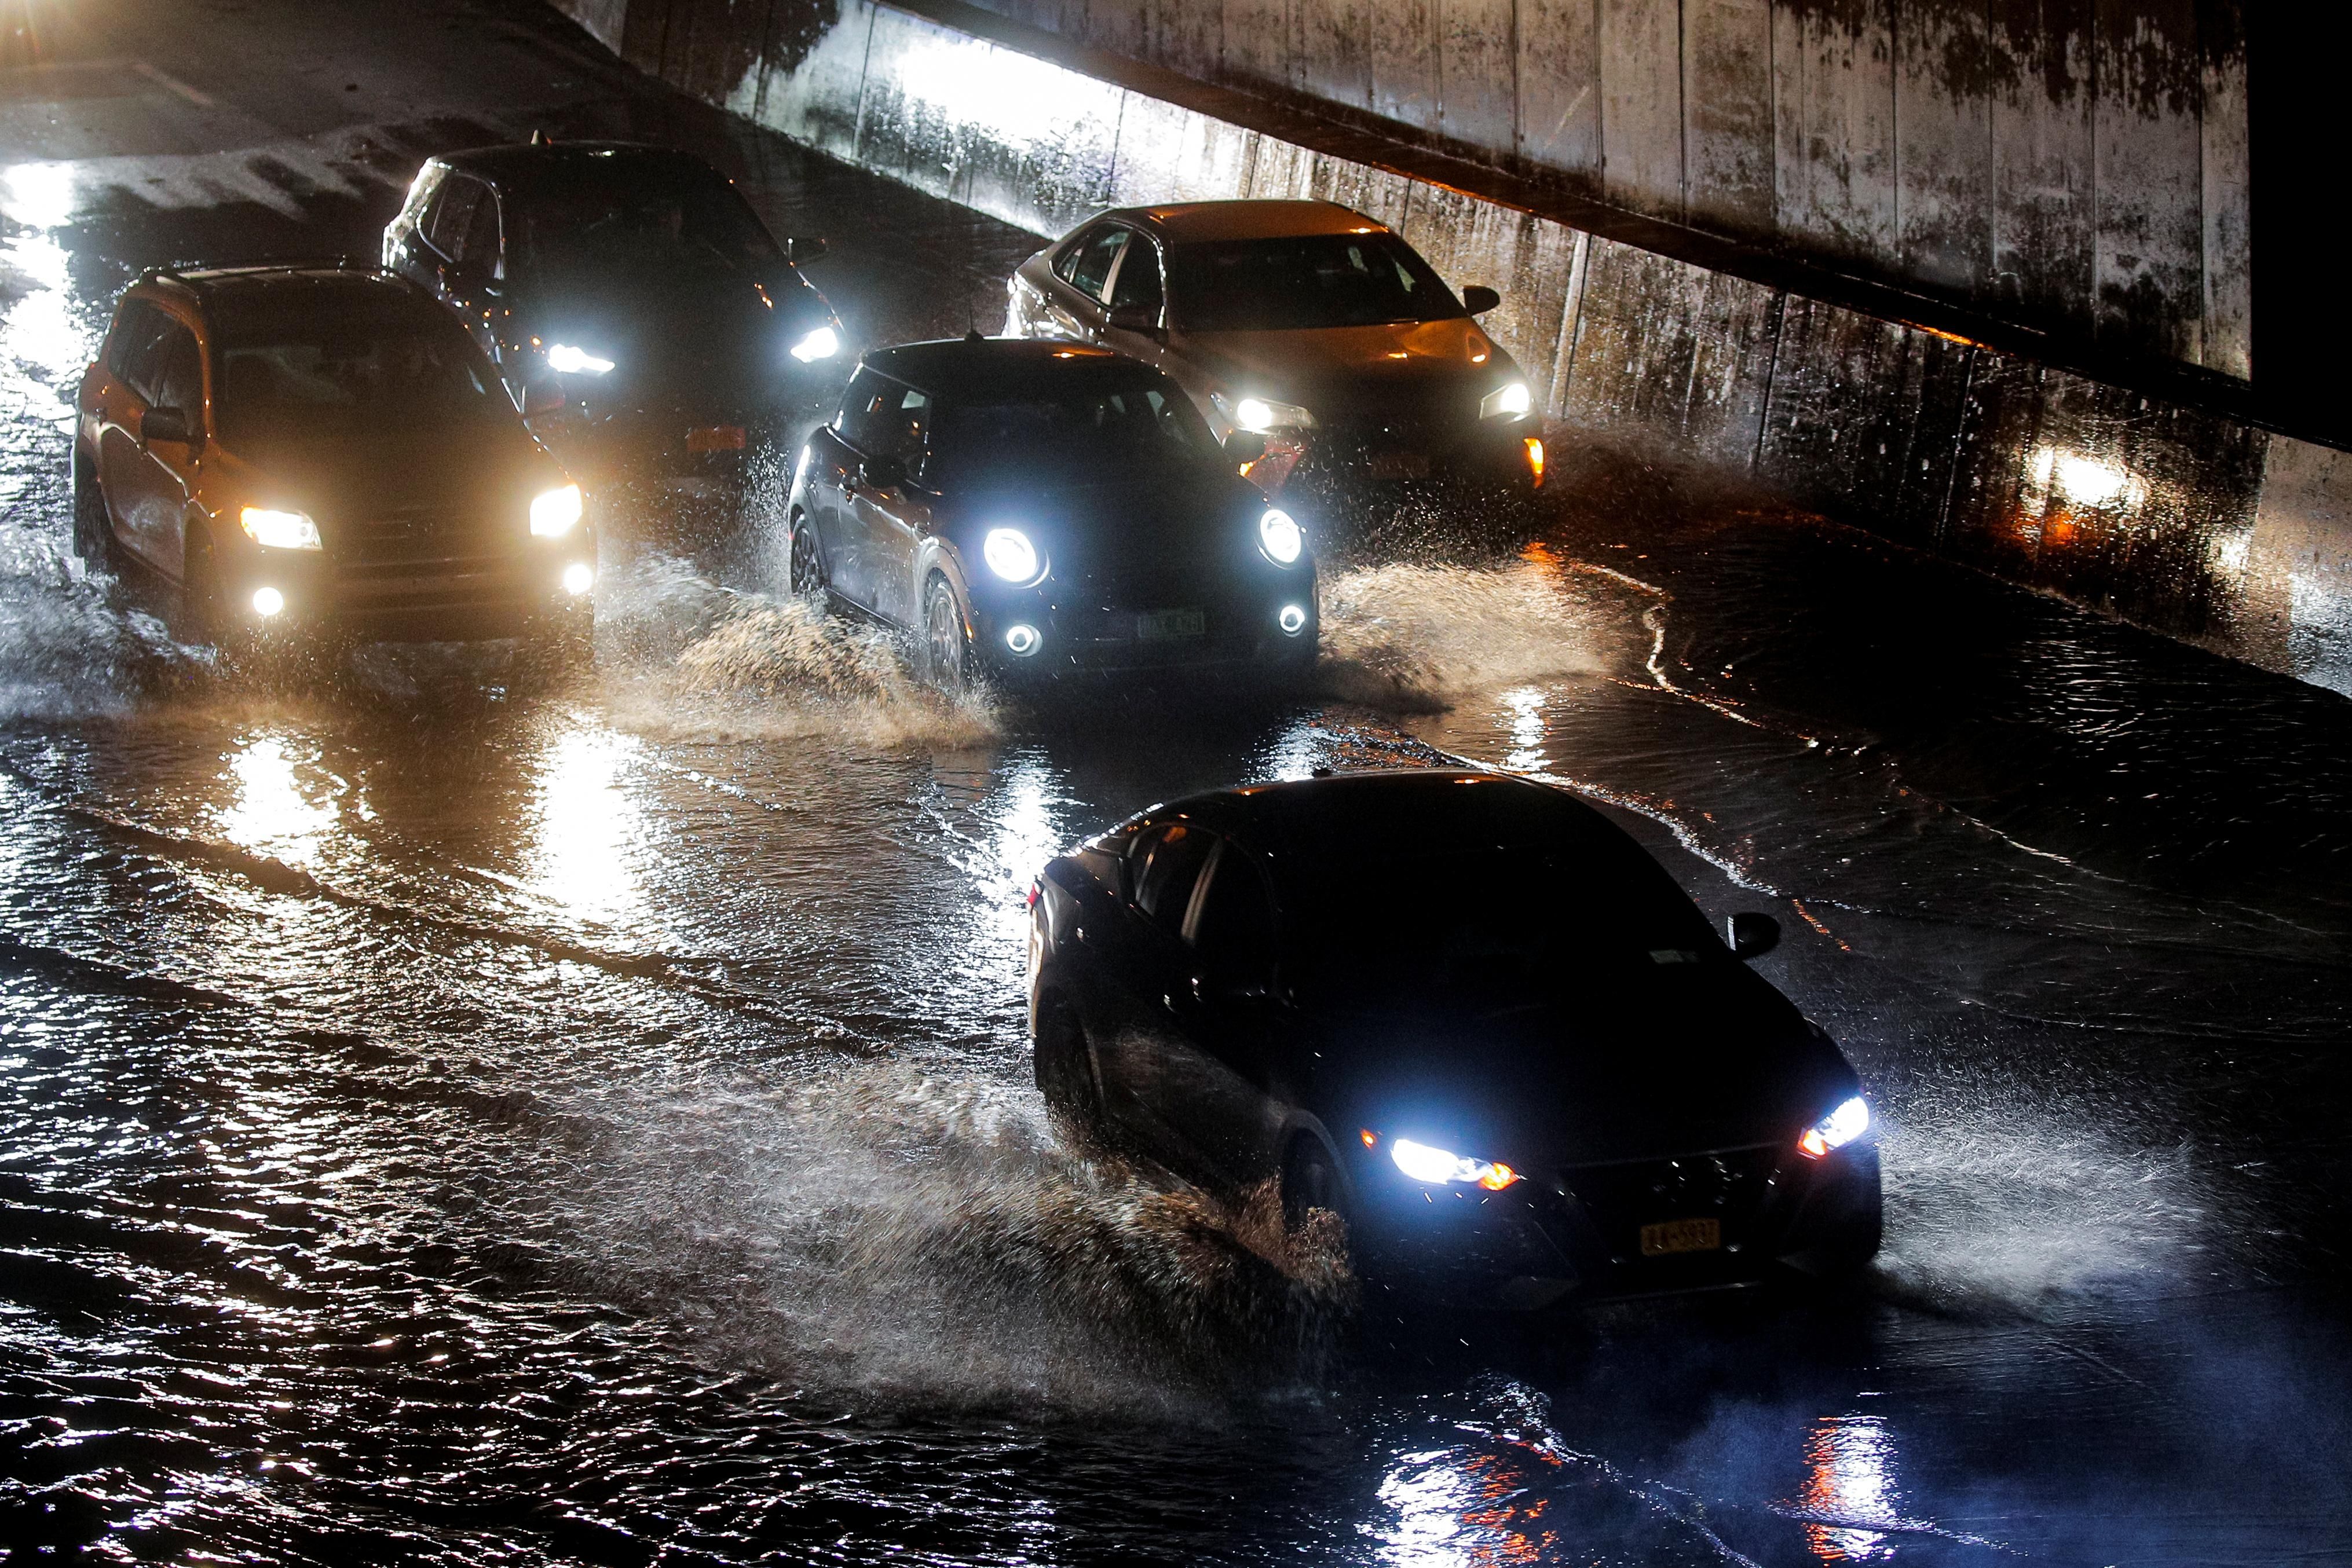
(1035, 892)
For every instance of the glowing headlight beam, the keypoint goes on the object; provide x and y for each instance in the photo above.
(553, 513)
(1280, 536)
(1437, 1167)
(279, 530)
(1506, 402)
(566, 359)
(1836, 1130)
(1011, 556)
(821, 344)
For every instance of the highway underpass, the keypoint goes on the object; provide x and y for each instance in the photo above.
(458, 1111)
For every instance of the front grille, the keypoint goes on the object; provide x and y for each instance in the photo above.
(410, 536)
(1734, 1187)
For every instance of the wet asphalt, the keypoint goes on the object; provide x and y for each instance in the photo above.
(458, 1111)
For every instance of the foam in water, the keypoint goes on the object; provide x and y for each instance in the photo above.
(896, 1236)
(1418, 638)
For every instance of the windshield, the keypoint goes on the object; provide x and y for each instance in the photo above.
(1497, 920)
(696, 227)
(1085, 431)
(349, 374)
(1321, 280)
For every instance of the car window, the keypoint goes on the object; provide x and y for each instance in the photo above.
(1091, 268)
(1235, 932)
(180, 383)
(1100, 426)
(478, 247)
(1315, 280)
(336, 370)
(1066, 261)
(452, 214)
(1168, 861)
(685, 221)
(1137, 287)
(883, 418)
(130, 351)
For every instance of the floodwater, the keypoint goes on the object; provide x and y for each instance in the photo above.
(455, 1111)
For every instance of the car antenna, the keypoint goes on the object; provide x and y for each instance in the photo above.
(974, 335)
(541, 139)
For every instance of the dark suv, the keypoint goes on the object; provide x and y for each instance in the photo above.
(321, 445)
(640, 312)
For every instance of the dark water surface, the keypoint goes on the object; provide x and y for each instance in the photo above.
(458, 1111)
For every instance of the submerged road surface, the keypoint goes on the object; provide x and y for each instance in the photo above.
(453, 1111)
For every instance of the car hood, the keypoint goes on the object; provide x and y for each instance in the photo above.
(676, 324)
(1658, 1060)
(484, 476)
(1352, 372)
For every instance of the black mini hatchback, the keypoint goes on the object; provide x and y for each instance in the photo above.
(1029, 509)
(1468, 1015)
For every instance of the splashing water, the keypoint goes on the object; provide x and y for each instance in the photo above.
(1418, 638)
(895, 1236)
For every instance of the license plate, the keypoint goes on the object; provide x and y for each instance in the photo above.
(715, 438)
(1681, 1236)
(1400, 465)
(1158, 624)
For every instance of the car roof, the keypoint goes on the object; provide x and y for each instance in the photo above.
(557, 163)
(257, 290)
(1434, 809)
(1268, 218)
(954, 367)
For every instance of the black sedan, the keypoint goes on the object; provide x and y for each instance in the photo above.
(1035, 508)
(1467, 1014)
(635, 303)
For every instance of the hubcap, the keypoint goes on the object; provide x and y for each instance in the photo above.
(947, 639)
(804, 572)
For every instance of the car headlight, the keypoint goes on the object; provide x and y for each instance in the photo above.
(1280, 538)
(821, 344)
(567, 361)
(1506, 403)
(1438, 1166)
(553, 512)
(1011, 556)
(1836, 1130)
(279, 530)
(1262, 413)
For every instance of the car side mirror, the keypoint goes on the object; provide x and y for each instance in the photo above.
(1134, 318)
(882, 471)
(1244, 446)
(540, 397)
(1752, 935)
(802, 250)
(163, 424)
(1478, 300)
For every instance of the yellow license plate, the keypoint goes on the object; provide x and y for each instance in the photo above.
(1681, 1236)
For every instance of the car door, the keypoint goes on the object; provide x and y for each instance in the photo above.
(1146, 967)
(1080, 282)
(890, 518)
(133, 362)
(1216, 1081)
(861, 430)
(149, 486)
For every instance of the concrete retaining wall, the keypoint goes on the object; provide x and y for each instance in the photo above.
(2180, 519)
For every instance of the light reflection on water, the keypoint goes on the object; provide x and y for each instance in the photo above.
(589, 829)
(1849, 1484)
(270, 812)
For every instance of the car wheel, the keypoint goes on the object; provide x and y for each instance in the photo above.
(1310, 1183)
(807, 567)
(946, 646)
(94, 534)
(1066, 1070)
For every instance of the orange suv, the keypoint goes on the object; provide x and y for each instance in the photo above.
(321, 445)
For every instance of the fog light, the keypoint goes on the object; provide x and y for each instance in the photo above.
(578, 577)
(268, 602)
(1293, 620)
(1536, 460)
(1023, 640)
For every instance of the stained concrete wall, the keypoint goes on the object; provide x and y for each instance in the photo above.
(2179, 518)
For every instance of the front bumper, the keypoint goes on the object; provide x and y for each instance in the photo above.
(1492, 454)
(1577, 1232)
(446, 598)
(1177, 626)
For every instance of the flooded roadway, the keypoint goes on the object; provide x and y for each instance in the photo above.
(452, 1110)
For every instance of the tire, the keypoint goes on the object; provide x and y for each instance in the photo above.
(93, 533)
(805, 571)
(947, 641)
(1064, 1069)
